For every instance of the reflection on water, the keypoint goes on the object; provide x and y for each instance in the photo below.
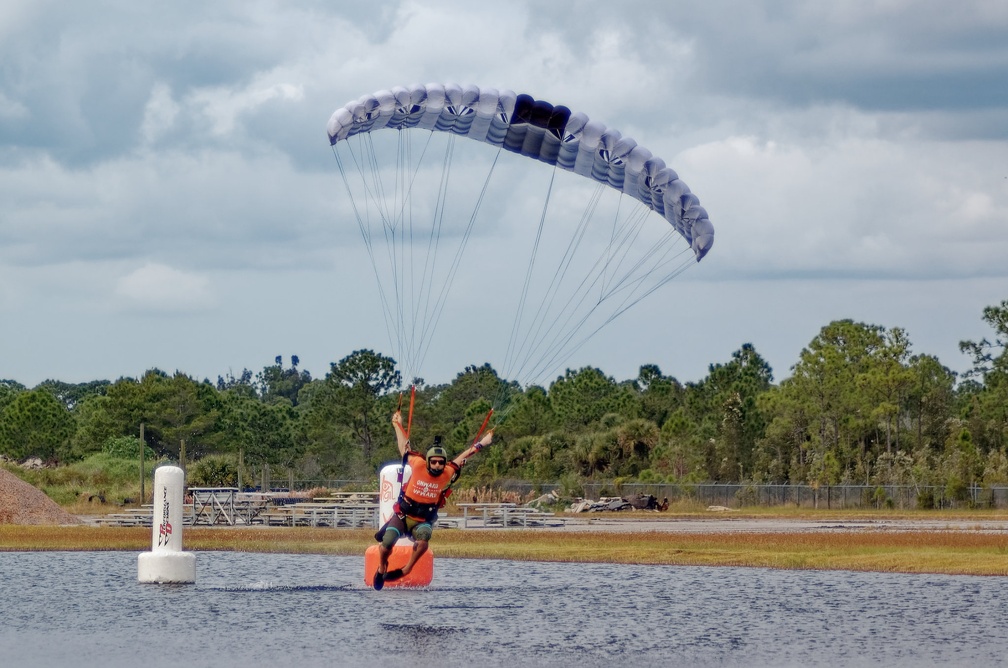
(87, 609)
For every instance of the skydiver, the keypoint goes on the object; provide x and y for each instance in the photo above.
(420, 497)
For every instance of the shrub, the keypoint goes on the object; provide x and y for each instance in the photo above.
(570, 486)
(213, 471)
(126, 447)
(747, 496)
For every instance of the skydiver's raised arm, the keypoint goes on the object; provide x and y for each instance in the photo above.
(473, 449)
(401, 439)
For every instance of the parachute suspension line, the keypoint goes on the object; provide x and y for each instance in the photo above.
(420, 287)
(630, 303)
(415, 296)
(406, 286)
(363, 223)
(439, 304)
(410, 290)
(666, 258)
(638, 273)
(409, 420)
(624, 236)
(557, 321)
(395, 230)
(400, 245)
(385, 211)
(374, 190)
(391, 215)
(403, 266)
(422, 311)
(611, 279)
(500, 407)
(520, 310)
(612, 240)
(564, 351)
(648, 264)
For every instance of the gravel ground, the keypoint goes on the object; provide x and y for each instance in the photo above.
(20, 503)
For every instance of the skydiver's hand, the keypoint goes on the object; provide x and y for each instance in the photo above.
(397, 418)
(486, 440)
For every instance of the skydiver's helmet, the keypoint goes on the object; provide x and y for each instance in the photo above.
(436, 452)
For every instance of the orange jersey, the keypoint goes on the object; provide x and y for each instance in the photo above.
(423, 491)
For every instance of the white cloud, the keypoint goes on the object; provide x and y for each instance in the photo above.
(159, 114)
(11, 109)
(224, 106)
(160, 288)
(858, 206)
(172, 165)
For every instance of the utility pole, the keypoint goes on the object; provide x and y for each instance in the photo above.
(142, 478)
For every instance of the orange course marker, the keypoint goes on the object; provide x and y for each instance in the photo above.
(420, 576)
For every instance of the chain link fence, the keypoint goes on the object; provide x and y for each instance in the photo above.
(832, 497)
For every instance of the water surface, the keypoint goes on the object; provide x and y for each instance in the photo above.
(87, 609)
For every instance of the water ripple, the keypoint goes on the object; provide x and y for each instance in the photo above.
(87, 609)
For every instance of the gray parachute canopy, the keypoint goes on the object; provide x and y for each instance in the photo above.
(540, 130)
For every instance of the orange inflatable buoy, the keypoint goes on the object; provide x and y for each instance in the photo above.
(420, 576)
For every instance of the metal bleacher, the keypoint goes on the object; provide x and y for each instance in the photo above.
(227, 506)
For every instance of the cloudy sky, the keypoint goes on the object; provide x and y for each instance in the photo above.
(168, 197)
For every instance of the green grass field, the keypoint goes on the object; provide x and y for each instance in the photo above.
(943, 551)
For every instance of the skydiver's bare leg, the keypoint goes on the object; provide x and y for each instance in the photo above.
(419, 547)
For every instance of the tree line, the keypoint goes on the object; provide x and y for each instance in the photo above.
(858, 408)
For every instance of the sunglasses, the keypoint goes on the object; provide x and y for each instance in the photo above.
(437, 462)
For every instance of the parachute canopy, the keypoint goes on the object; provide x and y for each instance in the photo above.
(602, 222)
(549, 133)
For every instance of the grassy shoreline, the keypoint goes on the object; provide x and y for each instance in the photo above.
(948, 551)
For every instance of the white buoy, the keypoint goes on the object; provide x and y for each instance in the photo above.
(389, 482)
(166, 562)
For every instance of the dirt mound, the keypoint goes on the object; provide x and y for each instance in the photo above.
(20, 503)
